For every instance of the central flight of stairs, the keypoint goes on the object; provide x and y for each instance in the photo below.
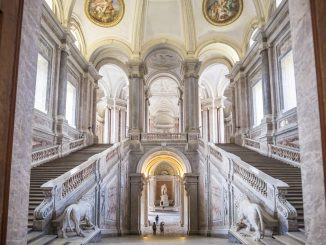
(53, 169)
(278, 170)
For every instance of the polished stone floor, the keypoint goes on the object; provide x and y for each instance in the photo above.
(163, 240)
(171, 220)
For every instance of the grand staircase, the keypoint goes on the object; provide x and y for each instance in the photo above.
(51, 170)
(282, 171)
(278, 170)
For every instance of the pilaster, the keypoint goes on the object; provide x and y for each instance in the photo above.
(136, 183)
(137, 70)
(191, 185)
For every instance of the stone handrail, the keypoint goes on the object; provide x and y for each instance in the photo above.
(289, 155)
(54, 152)
(282, 153)
(250, 143)
(269, 190)
(150, 137)
(70, 186)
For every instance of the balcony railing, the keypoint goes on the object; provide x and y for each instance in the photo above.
(54, 152)
(282, 153)
(159, 137)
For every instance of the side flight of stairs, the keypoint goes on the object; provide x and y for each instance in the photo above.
(53, 169)
(277, 169)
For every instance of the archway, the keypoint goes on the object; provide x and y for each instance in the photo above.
(164, 193)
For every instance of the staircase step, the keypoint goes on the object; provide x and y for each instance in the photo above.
(270, 241)
(286, 240)
(34, 235)
(44, 240)
(298, 236)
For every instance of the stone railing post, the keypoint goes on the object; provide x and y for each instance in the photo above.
(191, 186)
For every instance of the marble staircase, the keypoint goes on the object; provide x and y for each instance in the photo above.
(291, 238)
(53, 169)
(277, 169)
(39, 238)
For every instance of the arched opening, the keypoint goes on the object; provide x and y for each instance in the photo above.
(112, 105)
(164, 198)
(214, 102)
(164, 107)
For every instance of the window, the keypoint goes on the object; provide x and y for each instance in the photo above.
(289, 98)
(258, 103)
(50, 3)
(252, 41)
(41, 87)
(75, 33)
(278, 2)
(71, 104)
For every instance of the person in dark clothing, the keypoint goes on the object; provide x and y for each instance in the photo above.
(156, 219)
(154, 228)
(162, 227)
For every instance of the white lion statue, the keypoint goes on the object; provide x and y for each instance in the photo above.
(75, 213)
(250, 216)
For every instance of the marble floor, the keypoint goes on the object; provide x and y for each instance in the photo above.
(171, 220)
(163, 240)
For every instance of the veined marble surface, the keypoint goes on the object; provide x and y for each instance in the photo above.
(162, 240)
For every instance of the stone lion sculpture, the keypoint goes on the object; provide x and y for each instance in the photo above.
(250, 216)
(75, 214)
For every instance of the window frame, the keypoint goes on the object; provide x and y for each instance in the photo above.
(74, 80)
(46, 53)
(253, 84)
(280, 84)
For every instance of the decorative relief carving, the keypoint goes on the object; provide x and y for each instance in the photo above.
(284, 207)
(163, 59)
(216, 153)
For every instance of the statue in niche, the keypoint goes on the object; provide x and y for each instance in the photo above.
(164, 196)
(164, 190)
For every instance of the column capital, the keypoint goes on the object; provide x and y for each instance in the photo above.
(137, 180)
(64, 47)
(137, 69)
(190, 68)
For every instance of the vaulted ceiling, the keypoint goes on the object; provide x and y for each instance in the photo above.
(179, 23)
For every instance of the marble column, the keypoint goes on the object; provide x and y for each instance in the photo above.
(191, 182)
(180, 104)
(265, 76)
(107, 128)
(137, 71)
(62, 93)
(221, 128)
(147, 113)
(191, 102)
(311, 154)
(63, 78)
(93, 118)
(136, 183)
(182, 207)
(146, 184)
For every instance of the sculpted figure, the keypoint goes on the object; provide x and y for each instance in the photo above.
(164, 190)
(249, 216)
(74, 214)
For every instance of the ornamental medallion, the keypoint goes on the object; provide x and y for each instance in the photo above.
(105, 13)
(222, 12)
